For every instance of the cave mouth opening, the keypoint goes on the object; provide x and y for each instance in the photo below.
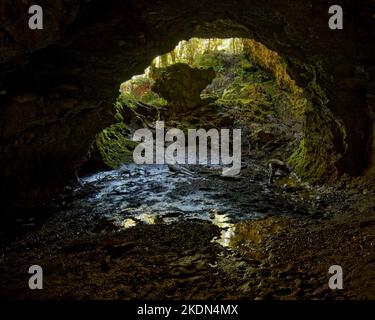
(249, 87)
(202, 83)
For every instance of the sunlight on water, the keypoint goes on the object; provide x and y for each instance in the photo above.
(128, 223)
(223, 221)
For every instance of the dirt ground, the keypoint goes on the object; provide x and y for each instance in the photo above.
(282, 253)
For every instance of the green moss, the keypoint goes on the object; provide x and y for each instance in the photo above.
(319, 152)
(125, 100)
(317, 92)
(209, 60)
(153, 99)
(307, 165)
(114, 147)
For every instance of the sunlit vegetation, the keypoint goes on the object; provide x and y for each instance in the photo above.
(197, 53)
(251, 84)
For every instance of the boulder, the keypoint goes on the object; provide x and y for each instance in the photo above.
(182, 85)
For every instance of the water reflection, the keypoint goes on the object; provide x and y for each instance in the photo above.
(248, 233)
(144, 218)
(223, 221)
(152, 194)
(129, 223)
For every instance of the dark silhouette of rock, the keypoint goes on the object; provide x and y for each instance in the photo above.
(182, 85)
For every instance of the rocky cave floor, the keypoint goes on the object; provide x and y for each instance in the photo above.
(204, 236)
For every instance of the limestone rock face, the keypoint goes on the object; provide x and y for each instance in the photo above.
(57, 84)
(182, 85)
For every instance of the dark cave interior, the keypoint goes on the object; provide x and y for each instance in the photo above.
(58, 86)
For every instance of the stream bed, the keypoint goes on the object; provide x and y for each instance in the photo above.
(155, 194)
(161, 232)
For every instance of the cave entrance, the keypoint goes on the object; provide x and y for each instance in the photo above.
(210, 84)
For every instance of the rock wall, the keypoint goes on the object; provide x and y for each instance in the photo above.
(57, 84)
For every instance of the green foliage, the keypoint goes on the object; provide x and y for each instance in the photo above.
(209, 60)
(126, 100)
(114, 146)
(251, 81)
(153, 99)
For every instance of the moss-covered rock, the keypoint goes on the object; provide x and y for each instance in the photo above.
(318, 155)
(114, 147)
(182, 85)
